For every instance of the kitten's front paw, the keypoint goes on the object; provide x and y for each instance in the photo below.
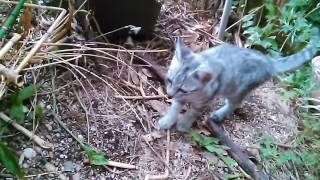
(165, 122)
(215, 118)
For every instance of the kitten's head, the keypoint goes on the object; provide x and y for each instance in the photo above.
(186, 76)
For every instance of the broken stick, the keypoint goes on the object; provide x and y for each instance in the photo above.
(235, 151)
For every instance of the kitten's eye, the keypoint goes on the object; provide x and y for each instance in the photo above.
(182, 90)
(168, 81)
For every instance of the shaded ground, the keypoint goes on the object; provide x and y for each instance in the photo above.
(128, 135)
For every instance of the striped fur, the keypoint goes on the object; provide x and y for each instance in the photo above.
(225, 70)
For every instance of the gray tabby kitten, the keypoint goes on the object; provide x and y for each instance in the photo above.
(225, 70)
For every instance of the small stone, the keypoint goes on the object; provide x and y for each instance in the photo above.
(76, 176)
(81, 138)
(29, 153)
(50, 167)
(68, 166)
(25, 165)
(93, 128)
(49, 107)
(49, 127)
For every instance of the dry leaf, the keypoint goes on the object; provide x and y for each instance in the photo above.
(153, 136)
(146, 72)
(160, 90)
(133, 77)
(143, 77)
(191, 37)
(159, 106)
(25, 19)
(199, 46)
(203, 131)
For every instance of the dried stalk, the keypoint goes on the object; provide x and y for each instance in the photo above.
(10, 75)
(26, 132)
(9, 44)
(33, 51)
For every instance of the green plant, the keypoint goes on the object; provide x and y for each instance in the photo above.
(9, 161)
(283, 31)
(288, 25)
(14, 102)
(304, 160)
(14, 105)
(212, 145)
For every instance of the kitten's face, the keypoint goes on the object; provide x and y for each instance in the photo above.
(184, 80)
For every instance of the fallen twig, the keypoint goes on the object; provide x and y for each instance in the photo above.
(141, 97)
(26, 132)
(236, 153)
(9, 44)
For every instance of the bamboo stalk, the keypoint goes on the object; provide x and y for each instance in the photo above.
(10, 75)
(26, 132)
(34, 50)
(9, 44)
(11, 19)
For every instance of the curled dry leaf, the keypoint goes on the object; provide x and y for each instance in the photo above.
(153, 136)
(191, 37)
(158, 106)
(142, 76)
(133, 77)
(199, 46)
(146, 72)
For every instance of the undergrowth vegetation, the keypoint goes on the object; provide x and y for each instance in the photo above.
(284, 31)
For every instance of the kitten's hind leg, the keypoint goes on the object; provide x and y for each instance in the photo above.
(230, 105)
(171, 116)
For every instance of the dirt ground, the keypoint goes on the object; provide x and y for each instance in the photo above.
(124, 130)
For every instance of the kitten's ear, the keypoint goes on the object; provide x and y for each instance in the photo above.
(182, 51)
(203, 76)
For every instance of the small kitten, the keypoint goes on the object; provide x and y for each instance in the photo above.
(225, 70)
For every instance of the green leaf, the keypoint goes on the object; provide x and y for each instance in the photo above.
(289, 156)
(26, 93)
(209, 140)
(8, 160)
(196, 137)
(214, 149)
(16, 111)
(95, 157)
(228, 161)
(37, 112)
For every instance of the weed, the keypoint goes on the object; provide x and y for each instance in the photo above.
(285, 31)
(14, 105)
(212, 145)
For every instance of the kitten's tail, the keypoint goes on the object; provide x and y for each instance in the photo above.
(296, 60)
